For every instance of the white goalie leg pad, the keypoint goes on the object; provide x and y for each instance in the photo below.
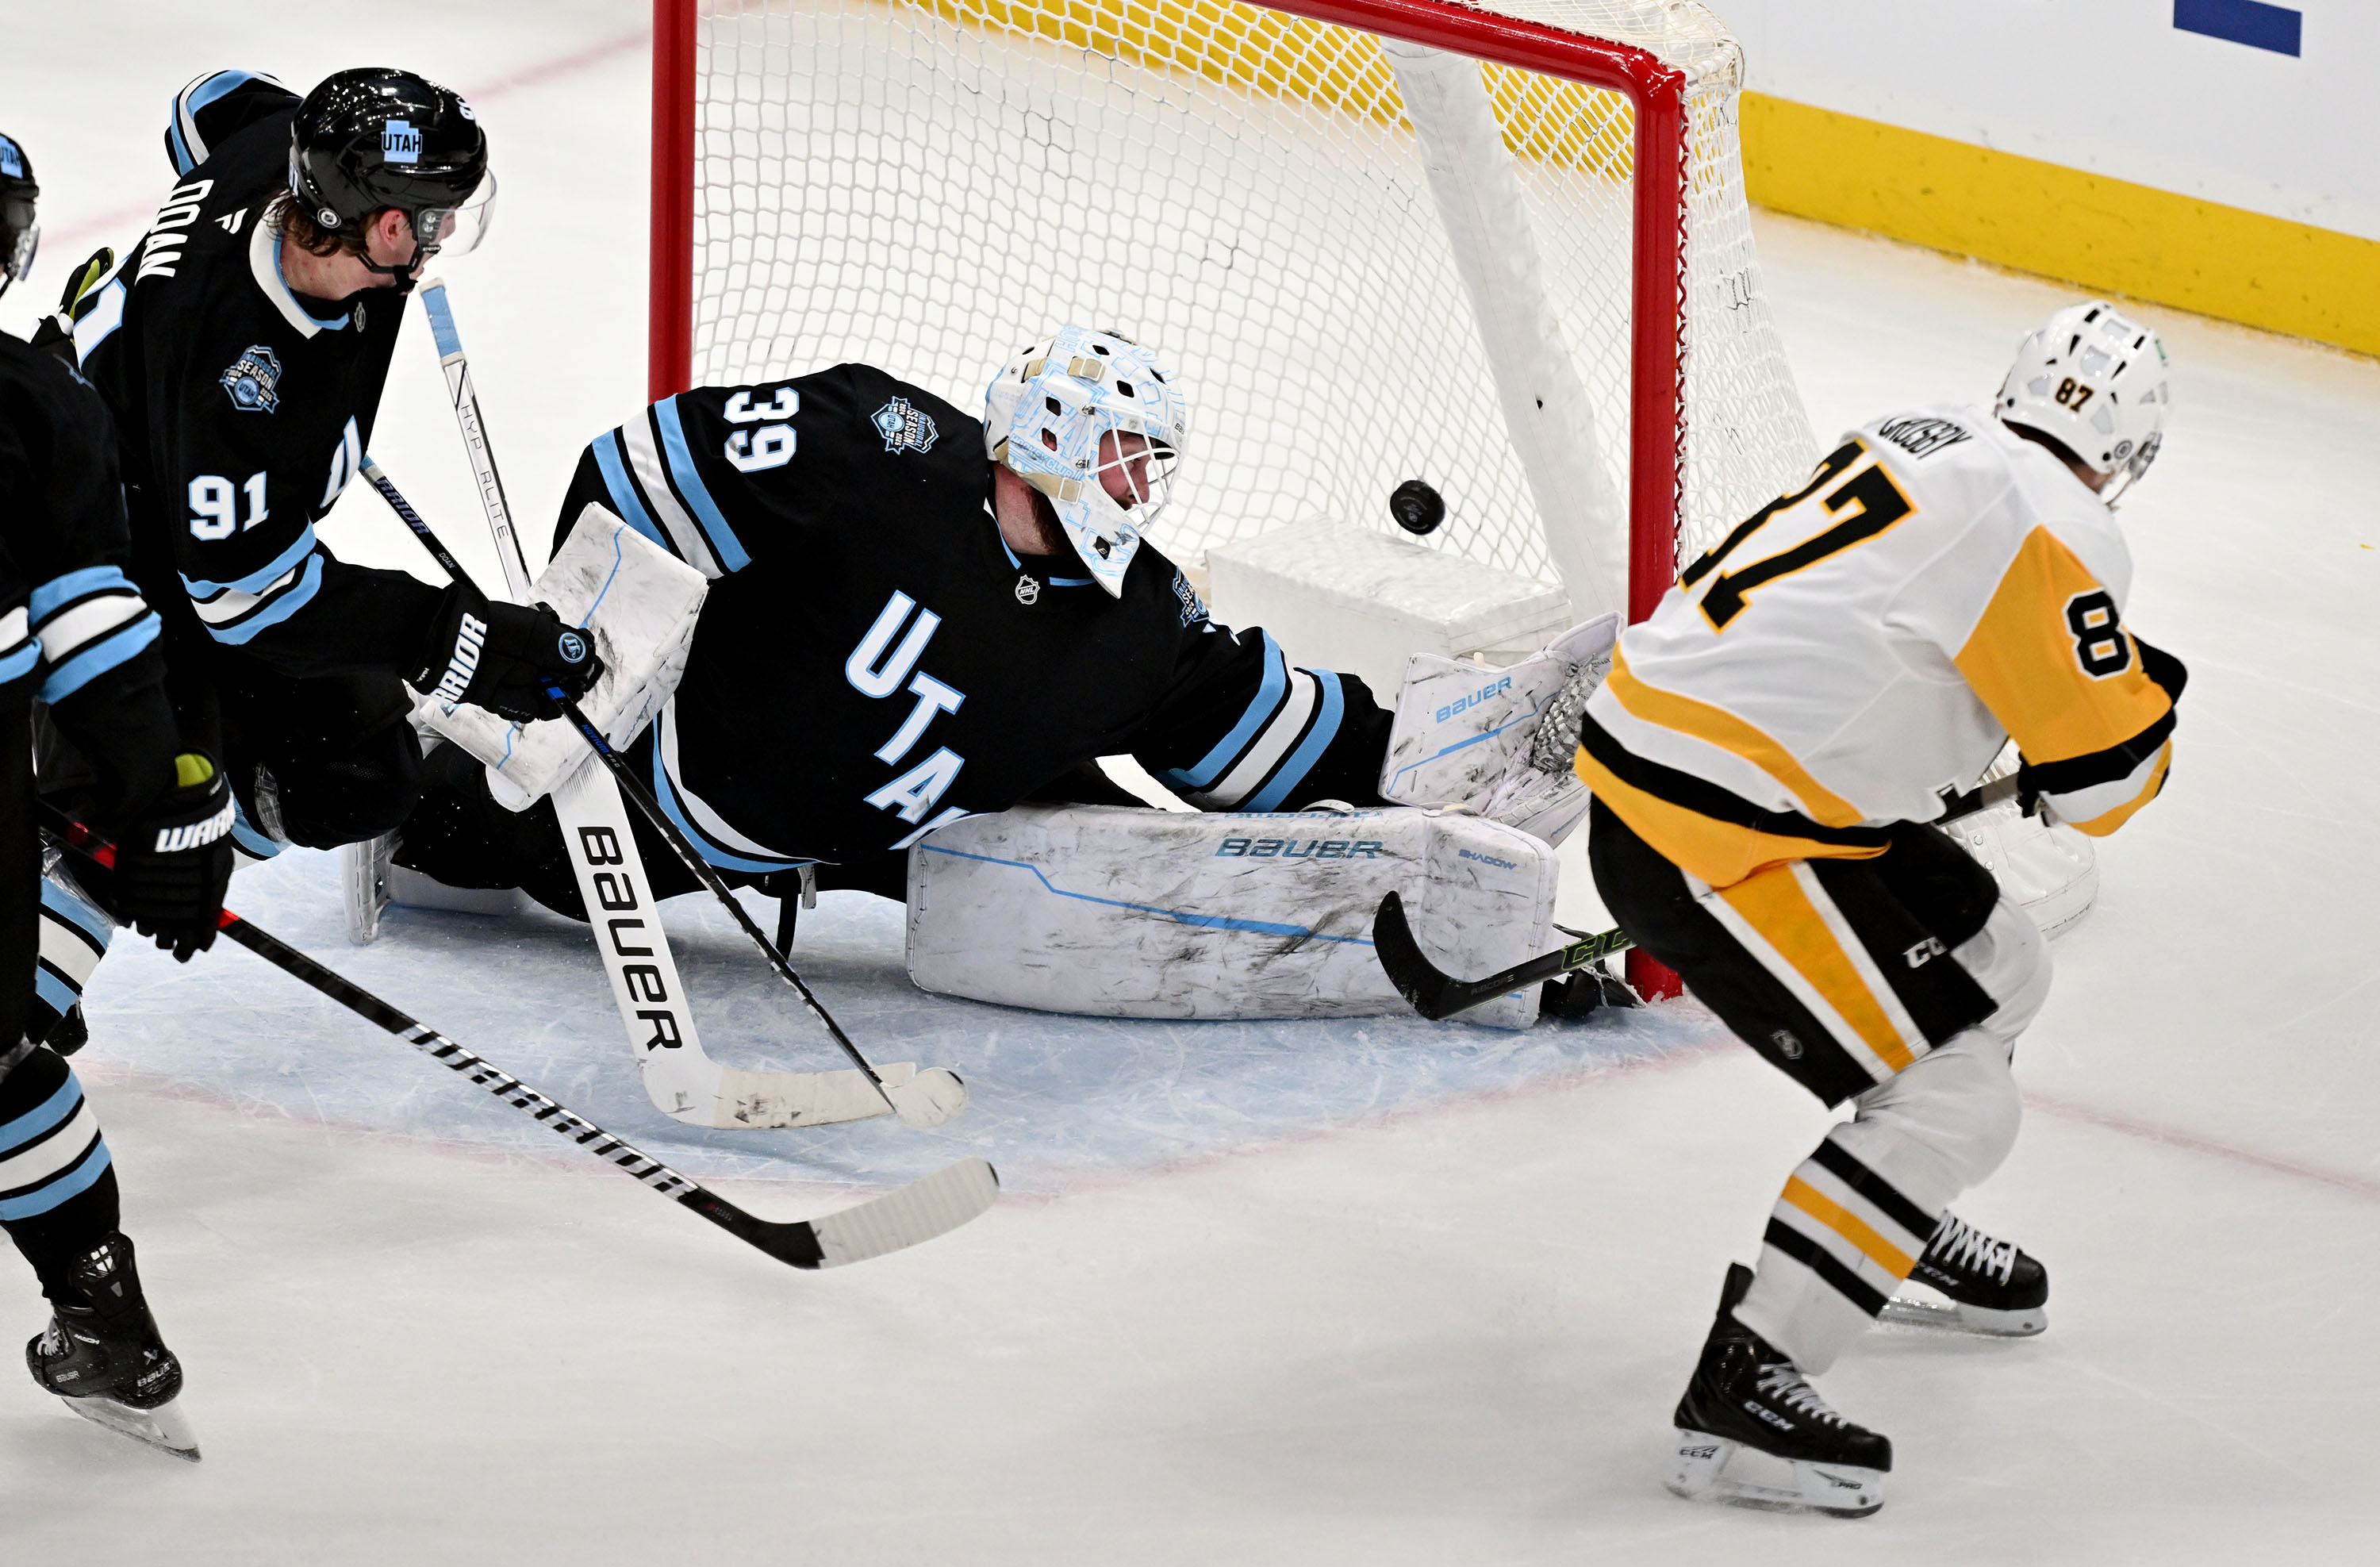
(1469, 736)
(1111, 911)
(641, 603)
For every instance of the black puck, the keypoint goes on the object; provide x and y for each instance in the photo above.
(1416, 507)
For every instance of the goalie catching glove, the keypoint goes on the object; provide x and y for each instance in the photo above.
(174, 862)
(500, 656)
(1499, 742)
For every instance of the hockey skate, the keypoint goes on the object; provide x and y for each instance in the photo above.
(1754, 1433)
(105, 1359)
(1991, 1287)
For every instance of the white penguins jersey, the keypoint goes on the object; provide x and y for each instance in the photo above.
(1874, 638)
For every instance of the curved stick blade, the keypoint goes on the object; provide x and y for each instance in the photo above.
(1417, 979)
(918, 1212)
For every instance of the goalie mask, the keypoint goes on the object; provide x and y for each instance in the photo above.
(2093, 381)
(1084, 419)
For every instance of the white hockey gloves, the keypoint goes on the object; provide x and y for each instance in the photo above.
(1499, 742)
(640, 601)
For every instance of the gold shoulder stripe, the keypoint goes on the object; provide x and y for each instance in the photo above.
(2033, 669)
(1719, 727)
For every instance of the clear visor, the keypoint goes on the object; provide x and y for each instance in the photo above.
(18, 258)
(456, 231)
(1137, 472)
(2134, 466)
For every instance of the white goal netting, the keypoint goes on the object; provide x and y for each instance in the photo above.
(930, 186)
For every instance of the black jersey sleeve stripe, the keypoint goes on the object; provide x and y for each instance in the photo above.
(688, 479)
(1279, 790)
(2072, 774)
(1701, 796)
(642, 447)
(628, 501)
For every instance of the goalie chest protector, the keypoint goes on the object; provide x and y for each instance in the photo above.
(1113, 912)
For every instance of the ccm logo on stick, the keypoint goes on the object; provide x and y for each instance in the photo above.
(616, 896)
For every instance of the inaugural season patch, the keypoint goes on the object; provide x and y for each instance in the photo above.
(251, 380)
(904, 427)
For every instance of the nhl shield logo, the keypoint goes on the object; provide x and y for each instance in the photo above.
(252, 378)
(904, 428)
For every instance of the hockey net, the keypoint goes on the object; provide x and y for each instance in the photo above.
(929, 187)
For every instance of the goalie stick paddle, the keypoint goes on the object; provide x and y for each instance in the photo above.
(901, 1218)
(1438, 995)
(928, 1098)
(685, 1077)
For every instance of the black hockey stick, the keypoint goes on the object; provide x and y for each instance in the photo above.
(903, 1216)
(634, 789)
(1438, 995)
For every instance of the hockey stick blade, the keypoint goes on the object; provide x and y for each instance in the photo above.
(1438, 995)
(927, 1206)
(927, 1099)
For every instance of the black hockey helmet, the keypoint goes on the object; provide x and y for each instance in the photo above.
(373, 138)
(20, 235)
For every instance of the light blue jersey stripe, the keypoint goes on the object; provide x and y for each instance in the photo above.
(78, 913)
(702, 845)
(289, 603)
(16, 1133)
(723, 542)
(1301, 761)
(55, 993)
(263, 576)
(1267, 703)
(73, 585)
(625, 500)
(68, 1184)
(92, 662)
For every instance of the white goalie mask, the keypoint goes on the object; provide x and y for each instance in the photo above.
(1077, 412)
(2094, 380)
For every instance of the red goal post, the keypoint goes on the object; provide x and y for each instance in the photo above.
(1657, 423)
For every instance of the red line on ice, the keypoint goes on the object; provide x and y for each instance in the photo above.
(2357, 1186)
(117, 218)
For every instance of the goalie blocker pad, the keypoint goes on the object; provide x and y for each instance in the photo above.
(1111, 911)
(639, 603)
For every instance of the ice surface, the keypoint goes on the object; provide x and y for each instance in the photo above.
(1051, 1099)
(1379, 1293)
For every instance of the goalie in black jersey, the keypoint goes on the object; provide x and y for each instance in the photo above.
(915, 617)
(241, 348)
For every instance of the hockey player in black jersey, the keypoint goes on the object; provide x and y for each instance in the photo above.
(915, 618)
(76, 640)
(241, 348)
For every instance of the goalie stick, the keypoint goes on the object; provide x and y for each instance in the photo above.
(902, 1216)
(682, 1081)
(1438, 995)
(735, 1098)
